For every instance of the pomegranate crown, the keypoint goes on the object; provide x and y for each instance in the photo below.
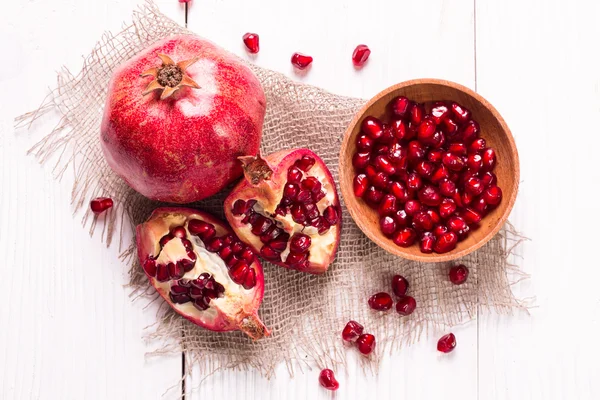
(170, 76)
(255, 168)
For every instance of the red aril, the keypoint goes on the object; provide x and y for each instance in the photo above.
(474, 186)
(364, 143)
(398, 189)
(426, 130)
(425, 169)
(360, 55)
(458, 274)
(100, 204)
(458, 225)
(477, 146)
(388, 225)
(489, 159)
(412, 207)
(352, 331)
(361, 184)
(435, 155)
(405, 237)
(492, 195)
(365, 343)
(361, 160)
(301, 61)
(406, 305)
(422, 222)
(447, 208)
(402, 218)
(470, 131)
(439, 230)
(251, 42)
(489, 179)
(446, 242)
(439, 111)
(328, 381)
(372, 127)
(458, 149)
(400, 107)
(427, 242)
(381, 301)
(430, 196)
(308, 240)
(453, 162)
(447, 343)
(373, 196)
(459, 112)
(414, 181)
(399, 285)
(388, 205)
(474, 162)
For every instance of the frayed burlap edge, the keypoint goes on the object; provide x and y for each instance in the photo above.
(306, 313)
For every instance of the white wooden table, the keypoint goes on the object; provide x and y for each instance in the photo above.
(68, 329)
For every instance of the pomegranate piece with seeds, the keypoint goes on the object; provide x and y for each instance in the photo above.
(251, 42)
(352, 331)
(447, 343)
(205, 273)
(100, 204)
(365, 343)
(328, 381)
(301, 61)
(381, 301)
(294, 218)
(458, 274)
(427, 173)
(360, 55)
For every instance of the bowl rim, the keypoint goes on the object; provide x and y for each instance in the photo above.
(398, 251)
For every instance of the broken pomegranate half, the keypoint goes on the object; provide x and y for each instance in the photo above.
(287, 209)
(202, 270)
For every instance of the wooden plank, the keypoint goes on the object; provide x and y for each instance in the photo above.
(69, 329)
(537, 62)
(413, 39)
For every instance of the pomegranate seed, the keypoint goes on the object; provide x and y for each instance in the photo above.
(301, 61)
(412, 207)
(261, 225)
(364, 143)
(470, 131)
(416, 151)
(434, 215)
(471, 216)
(458, 224)
(365, 343)
(311, 184)
(239, 207)
(399, 285)
(473, 185)
(361, 160)
(162, 273)
(474, 162)
(427, 242)
(460, 113)
(450, 127)
(300, 243)
(295, 175)
(214, 245)
(380, 180)
(373, 196)
(203, 230)
(250, 280)
(388, 135)
(446, 242)
(439, 230)
(279, 243)
(269, 253)
(447, 188)
(416, 113)
(459, 149)
(422, 222)
(447, 343)
(388, 205)
(372, 127)
(489, 159)
(381, 148)
(381, 301)
(305, 163)
(298, 213)
(426, 130)
(435, 156)
(251, 42)
(405, 237)
(458, 274)
(414, 181)
(179, 232)
(150, 267)
(438, 140)
(239, 271)
(466, 198)
(387, 225)
(296, 259)
(492, 195)
(399, 191)
(361, 184)
(400, 106)
(425, 169)
(430, 196)
(101, 204)
(290, 190)
(477, 145)
(440, 174)
(402, 218)
(489, 179)
(439, 111)
(480, 206)
(447, 208)
(331, 215)
(383, 164)
(327, 380)
(360, 55)
(453, 162)
(406, 305)
(352, 331)
(398, 127)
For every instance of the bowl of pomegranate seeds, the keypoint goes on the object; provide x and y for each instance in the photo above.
(429, 170)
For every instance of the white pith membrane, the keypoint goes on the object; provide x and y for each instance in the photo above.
(234, 302)
(322, 245)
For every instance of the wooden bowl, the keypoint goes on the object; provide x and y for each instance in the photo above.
(493, 129)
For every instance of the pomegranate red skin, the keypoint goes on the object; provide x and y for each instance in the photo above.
(271, 191)
(183, 148)
(147, 235)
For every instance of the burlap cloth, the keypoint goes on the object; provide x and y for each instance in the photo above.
(306, 313)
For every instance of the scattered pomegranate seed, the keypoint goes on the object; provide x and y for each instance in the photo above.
(251, 42)
(365, 343)
(381, 301)
(399, 285)
(352, 331)
(406, 305)
(301, 61)
(360, 55)
(101, 204)
(458, 274)
(327, 380)
(447, 343)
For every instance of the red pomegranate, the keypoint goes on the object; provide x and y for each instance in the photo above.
(287, 209)
(177, 116)
(202, 270)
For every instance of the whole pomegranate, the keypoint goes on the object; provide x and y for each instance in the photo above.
(202, 270)
(287, 209)
(177, 116)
